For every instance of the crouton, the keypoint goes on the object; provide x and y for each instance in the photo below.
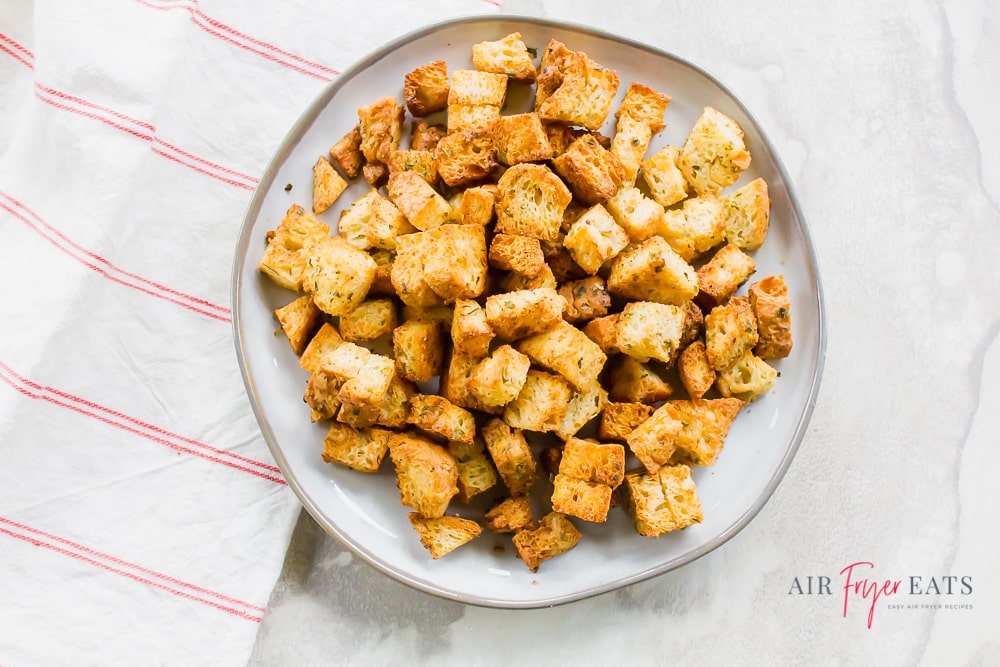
(578, 497)
(469, 86)
(748, 215)
(512, 456)
(713, 155)
(419, 348)
(629, 381)
(531, 201)
(476, 472)
(477, 206)
(560, 262)
(517, 282)
(604, 332)
(421, 162)
(594, 239)
(514, 315)
(747, 379)
(362, 450)
(566, 350)
(470, 332)
(770, 304)
(584, 406)
(520, 254)
(555, 535)
(439, 416)
(721, 277)
(366, 390)
(423, 207)
(325, 341)
(427, 474)
(588, 473)
(498, 379)
(652, 271)
(465, 157)
(358, 416)
(443, 535)
(697, 227)
(328, 185)
(649, 330)
(654, 440)
(455, 263)
(408, 271)
(730, 330)
(555, 60)
(638, 215)
(593, 173)
(425, 137)
(664, 178)
(376, 173)
(586, 299)
(705, 424)
(662, 501)
(381, 125)
(541, 405)
(338, 275)
(521, 138)
(694, 323)
(471, 117)
(345, 361)
(629, 146)
(508, 56)
(440, 313)
(561, 137)
(645, 105)
(373, 221)
(395, 407)
(618, 420)
(322, 395)
(640, 116)
(509, 516)
(695, 371)
(583, 95)
(285, 257)
(455, 382)
(347, 152)
(369, 320)
(426, 88)
(299, 320)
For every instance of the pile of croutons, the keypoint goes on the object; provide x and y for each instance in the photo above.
(529, 285)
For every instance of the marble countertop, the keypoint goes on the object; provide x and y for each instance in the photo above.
(884, 115)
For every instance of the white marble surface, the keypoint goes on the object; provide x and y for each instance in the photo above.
(885, 115)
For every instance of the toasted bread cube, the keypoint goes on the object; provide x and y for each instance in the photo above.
(566, 350)
(425, 136)
(439, 416)
(514, 315)
(455, 265)
(512, 456)
(578, 497)
(630, 381)
(423, 207)
(376, 173)
(409, 271)
(604, 332)
(444, 534)
(560, 262)
(508, 56)
(381, 125)
(285, 257)
(584, 94)
(584, 406)
(465, 156)
(395, 407)
(654, 440)
(517, 282)
(561, 137)
(345, 361)
(594, 239)
(521, 138)
(666, 182)
(629, 147)
(531, 201)
(747, 379)
(470, 332)
(713, 155)
(705, 426)
(373, 221)
(509, 516)
(695, 371)
(730, 330)
(322, 395)
(299, 320)
(347, 152)
(328, 185)
(421, 162)
(697, 227)
(476, 472)
(694, 323)
(748, 215)
(440, 313)
(471, 117)
(354, 220)
(592, 172)
(358, 416)
(770, 304)
(662, 501)
(477, 206)
(555, 61)
(419, 348)
(426, 88)
(369, 320)
(618, 420)
(555, 535)
(649, 330)
(369, 386)
(541, 405)
(469, 86)
(586, 299)
(455, 382)
(338, 275)
(593, 462)
(427, 474)
(638, 215)
(520, 254)
(721, 277)
(498, 379)
(326, 340)
(361, 450)
(652, 271)
(645, 105)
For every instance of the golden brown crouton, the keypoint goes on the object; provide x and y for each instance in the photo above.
(468, 117)
(469, 86)
(369, 320)
(285, 257)
(477, 206)
(555, 60)
(748, 215)
(542, 403)
(439, 416)
(455, 263)
(421, 162)
(594, 239)
(520, 254)
(440, 313)
(555, 535)
(516, 282)
(705, 424)
(470, 332)
(395, 407)
(644, 105)
(586, 299)
(649, 330)
(638, 215)
(476, 472)
(465, 157)
(345, 361)
(719, 279)
(770, 304)
(730, 330)
(747, 379)
(509, 516)
(362, 450)
(654, 440)
(697, 227)
(427, 474)
(508, 56)
(419, 348)
(566, 350)
(631, 140)
(713, 155)
(425, 89)
(328, 185)
(640, 116)
(584, 406)
(593, 462)
(578, 497)
(347, 152)
(696, 373)
(531, 201)
(376, 173)
(498, 379)
(664, 178)
(423, 207)
(629, 381)
(338, 275)
(425, 137)
(408, 271)
(325, 341)
(521, 138)
(694, 323)
(443, 535)
(512, 456)
(367, 389)
(652, 271)
(604, 332)
(299, 320)
(663, 501)
(455, 382)
(583, 95)
(373, 221)
(561, 137)
(381, 125)
(593, 173)
(514, 315)
(618, 420)
(322, 395)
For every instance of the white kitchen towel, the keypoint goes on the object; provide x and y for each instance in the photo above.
(142, 520)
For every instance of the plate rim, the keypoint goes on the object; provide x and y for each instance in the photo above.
(286, 146)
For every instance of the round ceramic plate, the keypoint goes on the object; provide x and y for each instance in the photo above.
(363, 511)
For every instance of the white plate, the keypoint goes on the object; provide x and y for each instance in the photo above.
(364, 511)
